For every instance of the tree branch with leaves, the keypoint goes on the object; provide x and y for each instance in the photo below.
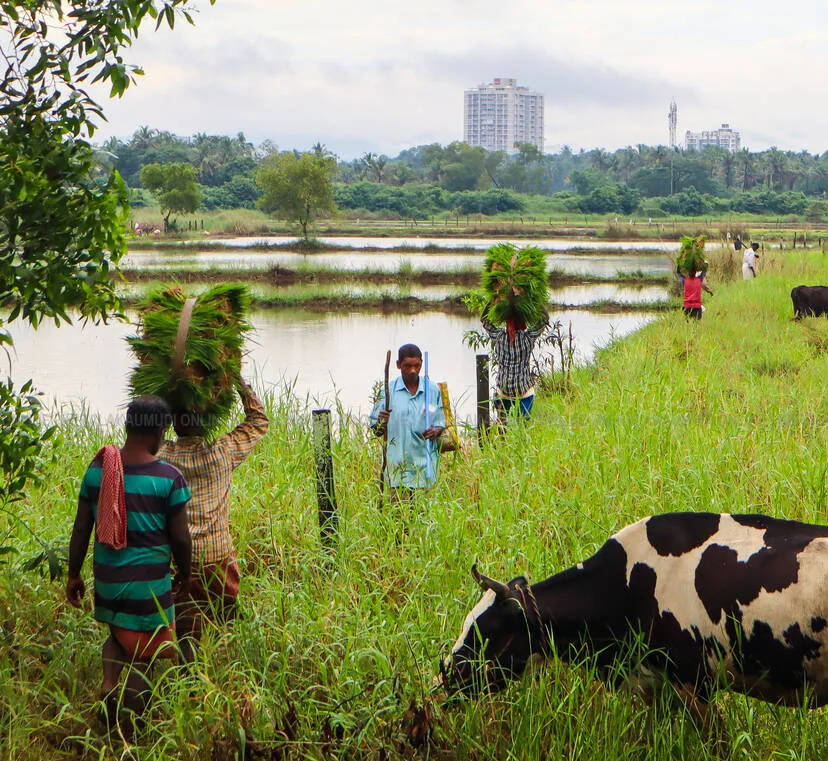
(62, 218)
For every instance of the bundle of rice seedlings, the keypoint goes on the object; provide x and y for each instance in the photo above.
(515, 282)
(691, 256)
(201, 378)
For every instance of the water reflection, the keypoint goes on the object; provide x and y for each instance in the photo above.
(317, 358)
(604, 265)
(553, 244)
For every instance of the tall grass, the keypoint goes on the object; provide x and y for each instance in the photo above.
(334, 652)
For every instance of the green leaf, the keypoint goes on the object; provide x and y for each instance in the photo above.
(32, 563)
(55, 564)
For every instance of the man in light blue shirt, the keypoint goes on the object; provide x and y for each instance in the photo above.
(410, 444)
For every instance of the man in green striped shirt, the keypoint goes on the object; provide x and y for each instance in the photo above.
(132, 582)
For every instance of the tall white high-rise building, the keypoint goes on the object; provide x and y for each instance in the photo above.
(499, 115)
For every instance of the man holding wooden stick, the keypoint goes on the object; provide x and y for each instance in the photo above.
(400, 414)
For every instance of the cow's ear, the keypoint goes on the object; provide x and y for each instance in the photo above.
(518, 581)
(498, 587)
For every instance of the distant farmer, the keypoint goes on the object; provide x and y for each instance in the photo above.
(693, 286)
(137, 505)
(749, 262)
(512, 347)
(208, 467)
(412, 447)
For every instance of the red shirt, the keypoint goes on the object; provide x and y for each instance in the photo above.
(692, 292)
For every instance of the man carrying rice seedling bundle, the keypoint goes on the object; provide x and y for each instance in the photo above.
(693, 285)
(190, 351)
(691, 268)
(515, 316)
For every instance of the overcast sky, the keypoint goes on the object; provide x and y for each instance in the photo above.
(381, 76)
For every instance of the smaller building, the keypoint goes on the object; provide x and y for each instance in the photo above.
(724, 137)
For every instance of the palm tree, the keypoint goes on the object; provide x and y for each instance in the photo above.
(627, 160)
(658, 156)
(601, 160)
(747, 161)
(143, 137)
(776, 163)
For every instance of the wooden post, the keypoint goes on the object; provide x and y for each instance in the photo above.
(325, 495)
(483, 420)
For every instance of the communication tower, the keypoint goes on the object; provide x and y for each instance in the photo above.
(672, 120)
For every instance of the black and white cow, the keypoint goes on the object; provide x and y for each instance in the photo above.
(810, 300)
(734, 599)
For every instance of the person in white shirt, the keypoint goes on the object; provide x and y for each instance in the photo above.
(749, 262)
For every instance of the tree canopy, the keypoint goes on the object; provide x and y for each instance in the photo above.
(298, 187)
(175, 187)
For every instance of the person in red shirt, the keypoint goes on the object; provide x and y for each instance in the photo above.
(693, 287)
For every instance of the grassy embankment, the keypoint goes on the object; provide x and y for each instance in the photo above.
(332, 650)
(320, 288)
(538, 221)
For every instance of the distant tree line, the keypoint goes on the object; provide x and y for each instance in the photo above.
(461, 179)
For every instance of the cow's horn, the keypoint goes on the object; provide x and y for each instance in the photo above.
(498, 587)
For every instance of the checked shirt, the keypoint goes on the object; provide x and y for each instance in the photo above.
(513, 360)
(208, 468)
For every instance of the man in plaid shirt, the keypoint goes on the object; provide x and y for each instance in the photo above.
(512, 353)
(208, 468)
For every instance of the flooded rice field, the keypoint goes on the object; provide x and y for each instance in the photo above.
(604, 265)
(416, 241)
(333, 358)
(320, 360)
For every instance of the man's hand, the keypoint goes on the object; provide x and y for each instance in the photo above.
(75, 590)
(433, 432)
(181, 586)
(381, 426)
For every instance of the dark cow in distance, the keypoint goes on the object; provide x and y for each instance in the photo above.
(715, 599)
(810, 300)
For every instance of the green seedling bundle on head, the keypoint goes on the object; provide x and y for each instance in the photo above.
(691, 256)
(201, 379)
(515, 282)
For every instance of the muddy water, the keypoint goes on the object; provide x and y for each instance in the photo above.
(318, 359)
(605, 265)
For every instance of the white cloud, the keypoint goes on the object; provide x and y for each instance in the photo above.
(366, 75)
